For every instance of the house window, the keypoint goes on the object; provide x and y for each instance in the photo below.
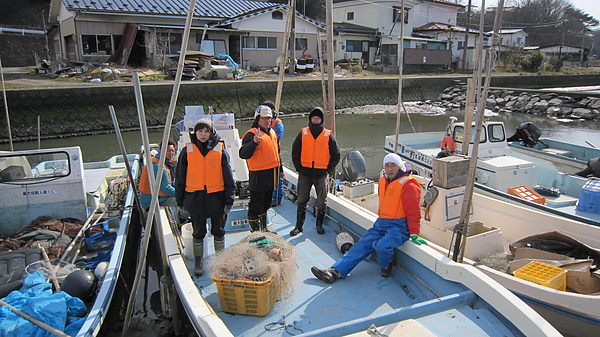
(356, 46)
(398, 14)
(350, 16)
(97, 44)
(214, 47)
(302, 44)
(277, 15)
(460, 45)
(421, 45)
(170, 43)
(389, 54)
(260, 42)
(519, 41)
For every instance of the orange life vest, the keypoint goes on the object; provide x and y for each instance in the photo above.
(447, 142)
(315, 152)
(266, 155)
(274, 122)
(204, 173)
(390, 197)
(145, 179)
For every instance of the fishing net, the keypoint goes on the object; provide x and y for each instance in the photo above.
(257, 257)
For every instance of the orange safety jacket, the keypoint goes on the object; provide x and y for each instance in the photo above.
(204, 173)
(390, 197)
(315, 152)
(447, 142)
(145, 179)
(266, 155)
(274, 122)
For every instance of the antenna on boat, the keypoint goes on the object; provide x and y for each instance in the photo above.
(6, 108)
(461, 227)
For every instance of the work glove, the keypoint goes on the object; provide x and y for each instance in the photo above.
(418, 240)
(228, 208)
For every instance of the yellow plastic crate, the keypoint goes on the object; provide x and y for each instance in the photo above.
(543, 274)
(253, 298)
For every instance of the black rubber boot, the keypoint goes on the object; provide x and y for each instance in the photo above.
(219, 244)
(300, 216)
(263, 224)
(327, 276)
(320, 218)
(198, 256)
(254, 225)
(387, 271)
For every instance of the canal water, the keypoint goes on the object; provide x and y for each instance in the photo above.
(358, 129)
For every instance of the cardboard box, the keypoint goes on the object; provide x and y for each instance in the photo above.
(451, 171)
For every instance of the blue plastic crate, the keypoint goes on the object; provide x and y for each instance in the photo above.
(589, 198)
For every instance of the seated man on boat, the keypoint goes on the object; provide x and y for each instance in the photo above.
(399, 220)
(260, 148)
(315, 154)
(447, 146)
(205, 187)
(166, 194)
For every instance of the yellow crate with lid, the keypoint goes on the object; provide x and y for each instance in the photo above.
(543, 274)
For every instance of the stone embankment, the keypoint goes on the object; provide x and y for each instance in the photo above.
(556, 105)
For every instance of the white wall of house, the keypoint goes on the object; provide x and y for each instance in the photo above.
(427, 12)
(515, 40)
(266, 26)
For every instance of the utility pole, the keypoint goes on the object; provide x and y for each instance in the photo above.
(466, 45)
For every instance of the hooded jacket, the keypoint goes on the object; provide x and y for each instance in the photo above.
(260, 180)
(315, 130)
(201, 203)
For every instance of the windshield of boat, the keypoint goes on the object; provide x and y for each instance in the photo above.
(21, 167)
(495, 132)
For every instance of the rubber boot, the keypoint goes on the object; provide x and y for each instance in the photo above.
(300, 216)
(198, 255)
(219, 244)
(254, 225)
(320, 218)
(263, 224)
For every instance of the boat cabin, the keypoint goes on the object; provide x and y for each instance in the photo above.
(492, 139)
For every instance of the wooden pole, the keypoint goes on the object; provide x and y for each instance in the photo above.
(459, 249)
(35, 321)
(6, 108)
(400, 73)
(330, 108)
(283, 56)
(39, 135)
(50, 268)
(154, 203)
(320, 52)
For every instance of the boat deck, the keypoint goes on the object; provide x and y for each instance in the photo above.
(363, 298)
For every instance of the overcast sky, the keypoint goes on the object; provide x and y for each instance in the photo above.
(592, 7)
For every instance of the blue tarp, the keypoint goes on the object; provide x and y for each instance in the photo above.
(59, 310)
(232, 63)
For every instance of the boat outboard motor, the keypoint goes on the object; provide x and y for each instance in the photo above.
(81, 284)
(354, 166)
(593, 168)
(527, 133)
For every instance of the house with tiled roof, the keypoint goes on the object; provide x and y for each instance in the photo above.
(146, 33)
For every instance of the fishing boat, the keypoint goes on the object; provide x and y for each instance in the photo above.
(80, 214)
(427, 291)
(567, 157)
(533, 181)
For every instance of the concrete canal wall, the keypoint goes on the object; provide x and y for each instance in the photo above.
(77, 111)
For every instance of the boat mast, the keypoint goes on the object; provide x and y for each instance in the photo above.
(400, 76)
(6, 108)
(461, 227)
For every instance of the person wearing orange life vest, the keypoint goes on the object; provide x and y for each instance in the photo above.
(205, 187)
(399, 220)
(278, 127)
(260, 148)
(166, 190)
(315, 153)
